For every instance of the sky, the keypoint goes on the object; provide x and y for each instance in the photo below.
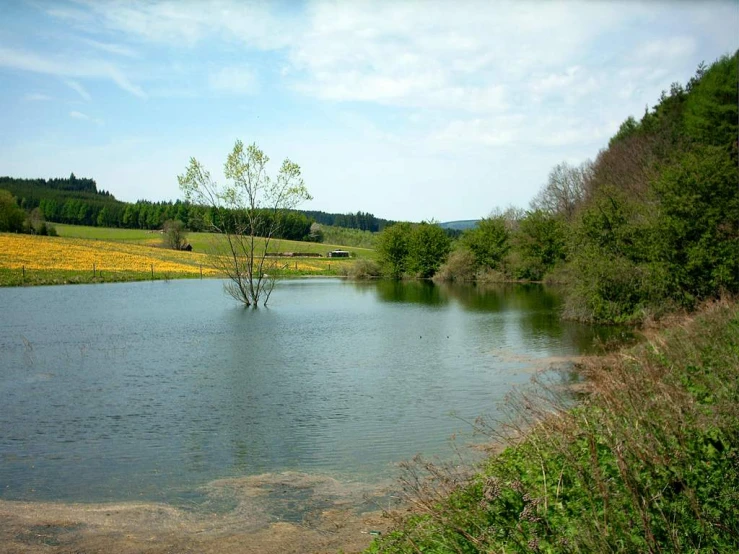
(410, 110)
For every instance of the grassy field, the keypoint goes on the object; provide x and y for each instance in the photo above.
(201, 242)
(93, 254)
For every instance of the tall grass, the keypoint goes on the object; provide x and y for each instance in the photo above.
(647, 462)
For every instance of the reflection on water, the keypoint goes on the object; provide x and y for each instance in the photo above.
(151, 390)
(537, 309)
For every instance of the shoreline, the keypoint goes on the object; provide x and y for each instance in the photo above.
(649, 454)
(80, 278)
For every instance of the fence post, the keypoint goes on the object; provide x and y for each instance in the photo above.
(152, 272)
(93, 270)
(201, 271)
(23, 280)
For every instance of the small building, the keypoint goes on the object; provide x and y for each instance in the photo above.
(338, 254)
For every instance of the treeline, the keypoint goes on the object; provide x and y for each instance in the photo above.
(360, 220)
(650, 225)
(77, 201)
(71, 184)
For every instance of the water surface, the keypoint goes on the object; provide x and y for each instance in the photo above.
(150, 390)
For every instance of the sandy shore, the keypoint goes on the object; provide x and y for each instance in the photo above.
(274, 513)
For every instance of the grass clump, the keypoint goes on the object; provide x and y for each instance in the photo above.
(363, 269)
(648, 462)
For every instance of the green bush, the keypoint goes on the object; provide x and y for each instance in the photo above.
(539, 244)
(11, 215)
(412, 250)
(698, 224)
(459, 267)
(428, 249)
(488, 241)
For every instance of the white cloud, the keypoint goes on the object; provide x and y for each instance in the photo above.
(441, 54)
(473, 56)
(522, 131)
(181, 23)
(499, 131)
(85, 117)
(667, 48)
(65, 67)
(36, 97)
(409, 92)
(111, 48)
(435, 55)
(78, 88)
(234, 80)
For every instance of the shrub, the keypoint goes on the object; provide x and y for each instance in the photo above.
(459, 267)
(175, 234)
(11, 215)
(364, 269)
(489, 242)
(428, 248)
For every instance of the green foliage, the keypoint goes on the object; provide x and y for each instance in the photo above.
(428, 246)
(349, 237)
(711, 107)
(11, 215)
(615, 248)
(361, 220)
(488, 242)
(540, 242)
(393, 248)
(660, 226)
(412, 250)
(628, 128)
(698, 223)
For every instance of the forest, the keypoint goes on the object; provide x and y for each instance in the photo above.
(77, 201)
(649, 226)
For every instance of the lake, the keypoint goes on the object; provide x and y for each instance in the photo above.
(151, 390)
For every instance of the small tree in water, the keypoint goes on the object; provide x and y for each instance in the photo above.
(248, 213)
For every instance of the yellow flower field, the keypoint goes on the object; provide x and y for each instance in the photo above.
(56, 253)
(41, 253)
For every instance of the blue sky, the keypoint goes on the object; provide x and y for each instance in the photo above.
(409, 110)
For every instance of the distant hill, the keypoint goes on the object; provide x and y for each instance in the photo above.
(461, 225)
